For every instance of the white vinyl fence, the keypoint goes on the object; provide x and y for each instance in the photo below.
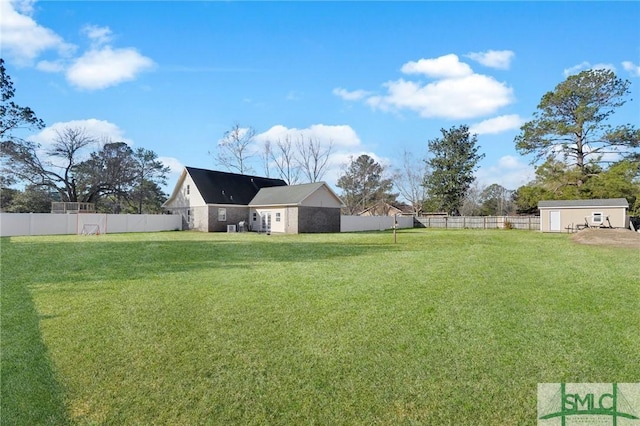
(372, 223)
(14, 224)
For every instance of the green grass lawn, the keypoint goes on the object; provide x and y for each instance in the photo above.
(180, 328)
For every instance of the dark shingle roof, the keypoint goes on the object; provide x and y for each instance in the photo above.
(229, 188)
(603, 202)
(289, 195)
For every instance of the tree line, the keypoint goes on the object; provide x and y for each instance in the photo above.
(577, 154)
(289, 159)
(75, 167)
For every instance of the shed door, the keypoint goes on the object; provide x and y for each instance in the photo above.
(554, 221)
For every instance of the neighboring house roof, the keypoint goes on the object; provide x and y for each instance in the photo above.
(604, 202)
(292, 195)
(223, 187)
(381, 208)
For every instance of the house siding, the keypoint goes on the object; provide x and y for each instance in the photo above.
(318, 219)
(321, 198)
(190, 205)
(199, 218)
(235, 215)
(292, 220)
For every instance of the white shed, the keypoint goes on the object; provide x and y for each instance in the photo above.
(565, 215)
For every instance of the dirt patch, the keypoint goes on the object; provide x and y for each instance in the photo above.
(608, 237)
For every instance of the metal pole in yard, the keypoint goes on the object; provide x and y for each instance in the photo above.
(395, 226)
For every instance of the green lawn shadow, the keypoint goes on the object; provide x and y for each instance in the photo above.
(72, 263)
(30, 393)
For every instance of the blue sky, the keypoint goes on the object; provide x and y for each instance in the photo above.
(378, 78)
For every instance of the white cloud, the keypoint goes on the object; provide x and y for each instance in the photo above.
(495, 125)
(632, 68)
(23, 39)
(582, 66)
(99, 36)
(452, 98)
(51, 66)
(102, 66)
(106, 67)
(100, 130)
(509, 172)
(174, 164)
(339, 135)
(355, 95)
(24, 6)
(500, 59)
(447, 66)
(457, 92)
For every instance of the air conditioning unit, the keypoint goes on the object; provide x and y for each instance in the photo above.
(231, 228)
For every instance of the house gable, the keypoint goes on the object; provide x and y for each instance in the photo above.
(316, 194)
(229, 188)
(200, 187)
(184, 193)
(381, 208)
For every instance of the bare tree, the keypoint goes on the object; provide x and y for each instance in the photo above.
(409, 181)
(56, 169)
(313, 158)
(68, 146)
(234, 149)
(286, 161)
(266, 156)
(472, 204)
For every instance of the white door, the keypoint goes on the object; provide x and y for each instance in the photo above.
(265, 225)
(554, 221)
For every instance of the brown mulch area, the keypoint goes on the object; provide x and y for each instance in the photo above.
(608, 237)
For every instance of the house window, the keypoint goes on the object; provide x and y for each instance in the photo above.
(277, 217)
(255, 216)
(188, 189)
(596, 218)
(222, 215)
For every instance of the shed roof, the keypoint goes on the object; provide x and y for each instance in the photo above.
(229, 188)
(288, 195)
(601, 202)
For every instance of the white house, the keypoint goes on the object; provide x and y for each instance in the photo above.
(213, 201)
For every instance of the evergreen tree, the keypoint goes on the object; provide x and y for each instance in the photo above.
(453, 161)
(364, 184)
